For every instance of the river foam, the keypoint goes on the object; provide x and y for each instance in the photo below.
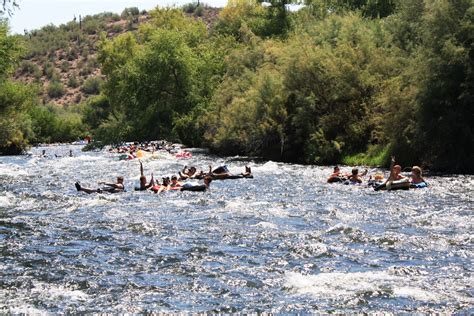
(283, 242)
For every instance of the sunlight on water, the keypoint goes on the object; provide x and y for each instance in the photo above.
(284, 241)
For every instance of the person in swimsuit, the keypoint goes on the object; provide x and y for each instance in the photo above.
(143, 185)
(417, 180)
(164, 186)
(174, 185)
(355, 177)
(197, 187)
(394, 176)
(395, 171)
(223, 173)
(336, 176)
(190, 173)
(109, 187)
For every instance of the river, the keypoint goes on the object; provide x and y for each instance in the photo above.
(283, 242)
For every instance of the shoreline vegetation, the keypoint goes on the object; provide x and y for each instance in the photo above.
(327, 84)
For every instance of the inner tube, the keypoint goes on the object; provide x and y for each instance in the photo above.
(194, 188)
(420, 185)
(374, 183)
(335, 179)
(403, 184)
(183, 154)
(221, 169)
(351, 182)
(123, 157)
(231, 177)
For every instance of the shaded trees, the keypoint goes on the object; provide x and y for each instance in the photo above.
(333, 82)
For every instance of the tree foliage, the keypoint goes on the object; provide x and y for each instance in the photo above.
(7, 7)
(336, 81)
(159, 75)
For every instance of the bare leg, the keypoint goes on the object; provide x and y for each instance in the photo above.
(88, 191)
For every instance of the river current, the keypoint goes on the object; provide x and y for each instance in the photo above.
(283, 242)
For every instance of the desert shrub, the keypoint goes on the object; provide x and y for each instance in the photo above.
(55, 89)
(189, 7)
(117, 28)
(72, 81)
(92, 85)
(92, 25)
(48, 70)
(64, 66)
(72, 54)
(199, 11)
(56, 124)
(115, 17)
(93, 63)
(28, 67)
(85, 71)
(133, 12)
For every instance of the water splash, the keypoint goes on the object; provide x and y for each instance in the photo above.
(283, 242)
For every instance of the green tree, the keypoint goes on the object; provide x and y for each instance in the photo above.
(15, 127)
(157, 84)
(7, 7)
(55, 124)
(9, 52)
(446, 86)
(262, 21)
(311, 98)
(15, 99)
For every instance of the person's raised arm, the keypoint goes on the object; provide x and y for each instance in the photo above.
(392, 164)
(152, 181)
(141, 168)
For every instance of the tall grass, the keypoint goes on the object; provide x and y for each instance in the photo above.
(376, 156)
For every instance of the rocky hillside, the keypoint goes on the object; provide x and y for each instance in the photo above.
(62, 61)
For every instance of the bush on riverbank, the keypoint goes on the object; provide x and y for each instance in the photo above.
(329, 83)
(336, 86)
(15, 124)
(15, 99)
(52, 124)
(376, 156)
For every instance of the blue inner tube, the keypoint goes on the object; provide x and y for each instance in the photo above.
(420, 185)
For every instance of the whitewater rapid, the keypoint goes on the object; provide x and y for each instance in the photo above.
(283, 242)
